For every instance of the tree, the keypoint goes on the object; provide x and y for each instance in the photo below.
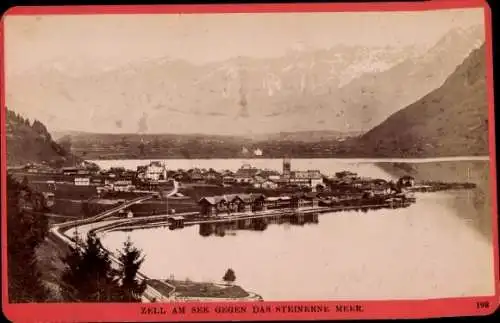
(142, 148)
(65, 143)
(25, 182)
(26, 231)
(131, 260)
(89, 276)
(229, 276)
(40, 128)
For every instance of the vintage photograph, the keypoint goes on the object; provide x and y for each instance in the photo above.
(315, 156)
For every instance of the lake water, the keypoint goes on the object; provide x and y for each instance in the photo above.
(432, 249)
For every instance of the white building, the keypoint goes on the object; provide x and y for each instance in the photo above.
(123, 186)
(310, 178)
(257, 152)
(82, 181)
(156, 171)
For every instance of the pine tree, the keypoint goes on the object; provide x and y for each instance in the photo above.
(131, 260)
(89, 275)
(229, 276)
(26, 231)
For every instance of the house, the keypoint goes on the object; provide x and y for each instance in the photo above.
(266, 184)
(123, 186)
(312, 198)
(406, 181)
(213, 205)
(82, 181)
(309, 178)
(68, 171)
(96, 180)
(247, 202)
(258, 152)
(278, 202)
(228, 180)
(269, 185)
(346, 175)
(196, 175)
(181, 176)
(227, 172)
(362, 183)
(266, 173)
(227, 204)
(245, 174)
(83, 172)
(155, 171)
(211, 175)
(380, 182)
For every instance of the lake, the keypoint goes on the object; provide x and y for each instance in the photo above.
(438, 247)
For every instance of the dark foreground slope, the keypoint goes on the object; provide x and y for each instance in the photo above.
(450, 121)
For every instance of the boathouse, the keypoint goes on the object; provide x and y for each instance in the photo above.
(176, 222)
(278, 202)
(310, 199)
(214, 205)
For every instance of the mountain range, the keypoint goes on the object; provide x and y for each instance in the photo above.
(451, 120)
(343, 89)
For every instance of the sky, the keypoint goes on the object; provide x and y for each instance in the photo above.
(104, 41)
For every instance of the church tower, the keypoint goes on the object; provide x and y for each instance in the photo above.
(286, 166)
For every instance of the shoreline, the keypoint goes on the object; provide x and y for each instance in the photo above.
(484, 158)
(58, 233)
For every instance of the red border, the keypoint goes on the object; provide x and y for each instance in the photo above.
(372, 309)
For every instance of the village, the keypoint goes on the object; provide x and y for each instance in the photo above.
(86, 190)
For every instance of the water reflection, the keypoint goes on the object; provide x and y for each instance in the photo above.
(256, 224)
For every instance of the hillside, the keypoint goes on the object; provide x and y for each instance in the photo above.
(31, 143)
(146, 146)
(305, 136)
(450, 121)
(344, 88)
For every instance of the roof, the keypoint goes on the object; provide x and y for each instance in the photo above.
(118, 183)
(213, 200)
(247, 198)
(278, 198)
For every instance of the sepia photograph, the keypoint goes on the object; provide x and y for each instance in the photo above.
(274, 156)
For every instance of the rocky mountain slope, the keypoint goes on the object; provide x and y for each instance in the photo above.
(450, 121)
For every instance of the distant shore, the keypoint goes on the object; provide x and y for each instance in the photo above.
(336, 158)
